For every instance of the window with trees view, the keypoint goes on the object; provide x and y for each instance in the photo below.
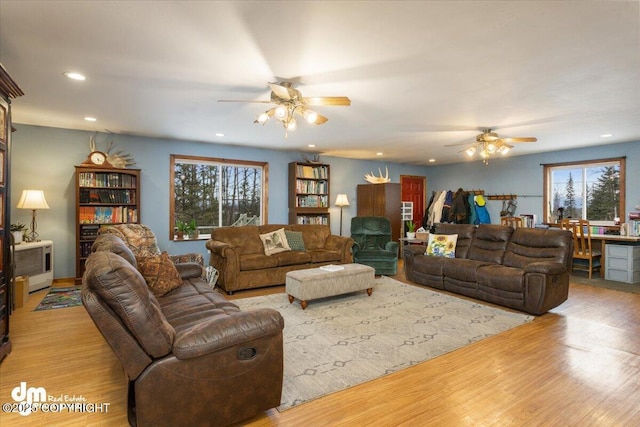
(210, 193)
(591, 190)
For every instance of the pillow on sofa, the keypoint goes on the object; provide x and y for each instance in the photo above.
(275, 242)
(443, 245)
(295, 241)
(160, 273)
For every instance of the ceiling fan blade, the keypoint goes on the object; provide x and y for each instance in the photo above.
(281, 91)
(461, 143)
(327, 100)
(244, 100)
(523, 139)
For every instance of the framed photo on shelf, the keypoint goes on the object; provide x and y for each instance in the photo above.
(3, 124)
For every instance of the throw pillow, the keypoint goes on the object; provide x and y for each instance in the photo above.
(443, 245)
(275, 242)
(160, 273)
(295, 240)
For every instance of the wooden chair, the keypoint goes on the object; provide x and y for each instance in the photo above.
(582, 247)
(513, 221)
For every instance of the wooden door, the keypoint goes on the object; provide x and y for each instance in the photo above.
(414, 189)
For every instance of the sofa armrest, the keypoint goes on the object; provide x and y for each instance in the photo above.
(189, 270)
(413, 250)
(341, 244)
(545, 267)
(391, 246)
(224, 257)
(225, 331)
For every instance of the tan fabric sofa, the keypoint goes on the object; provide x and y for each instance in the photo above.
(239, 256)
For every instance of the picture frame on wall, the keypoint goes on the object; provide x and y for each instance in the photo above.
(3, 124)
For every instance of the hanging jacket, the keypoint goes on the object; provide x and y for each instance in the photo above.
(481, 210)
(473, 216)
(459, 208)
(446, 207)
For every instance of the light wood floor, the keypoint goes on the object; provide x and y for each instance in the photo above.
(578, 365)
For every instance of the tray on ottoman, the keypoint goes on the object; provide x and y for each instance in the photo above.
(327, 281)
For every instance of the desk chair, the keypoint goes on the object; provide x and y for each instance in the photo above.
(582, 248)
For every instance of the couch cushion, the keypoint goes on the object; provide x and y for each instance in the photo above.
(292, 258)
(501, 282)
(465, 234)
(245, 239)
(462, 269)
(490, 243)
(275, 242)
(442, 245)
(138, 237)
(125, 291)
(295, 240)
(324, 255)
(314, 235)
(528, 245)
(160, 273)
(112, 243)
(257, 262)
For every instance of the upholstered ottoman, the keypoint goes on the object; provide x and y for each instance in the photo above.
(314, 283)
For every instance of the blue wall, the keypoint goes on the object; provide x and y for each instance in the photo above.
(44, 158)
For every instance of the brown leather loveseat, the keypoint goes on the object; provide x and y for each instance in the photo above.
(238, 254)
(190, 356)
(526, 269)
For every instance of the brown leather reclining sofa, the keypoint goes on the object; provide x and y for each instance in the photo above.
(191, 357)
(239, 256)
(526, 269)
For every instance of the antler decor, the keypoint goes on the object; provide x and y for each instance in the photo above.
(370, 177)
(119, 159)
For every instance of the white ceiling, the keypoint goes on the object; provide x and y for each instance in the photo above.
(420, 75)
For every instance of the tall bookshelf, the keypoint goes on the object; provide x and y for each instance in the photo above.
(104, 196)
(309, 196)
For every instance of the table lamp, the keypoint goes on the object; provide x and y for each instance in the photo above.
(32, 199)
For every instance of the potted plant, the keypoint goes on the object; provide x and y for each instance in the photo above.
(18, 229)
(192, 229)
(181, 229)
(411, 230)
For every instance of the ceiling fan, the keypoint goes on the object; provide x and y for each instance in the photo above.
(488, 143)
(290, 102)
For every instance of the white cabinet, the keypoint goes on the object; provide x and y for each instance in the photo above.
(35, 260)
(622, 263)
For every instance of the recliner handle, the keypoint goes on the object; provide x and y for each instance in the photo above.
(247, 353)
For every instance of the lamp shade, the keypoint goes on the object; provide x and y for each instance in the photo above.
(32, 199)
(342, 200)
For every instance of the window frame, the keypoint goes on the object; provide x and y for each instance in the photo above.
(177, 158)
(547, 190)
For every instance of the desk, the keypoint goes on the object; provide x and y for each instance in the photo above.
(612, 238)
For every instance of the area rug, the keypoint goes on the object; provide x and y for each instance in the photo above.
(339, 342)
(60, 298)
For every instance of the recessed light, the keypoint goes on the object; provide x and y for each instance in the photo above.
(311, 145)
(432, 160)
(90, 119)
(379, 153)
(606, 135)
(75, 76)
(219, 134)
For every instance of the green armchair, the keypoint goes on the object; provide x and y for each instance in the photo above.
(373, 245)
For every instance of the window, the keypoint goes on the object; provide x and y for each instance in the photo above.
(592, 190)
(210, 193)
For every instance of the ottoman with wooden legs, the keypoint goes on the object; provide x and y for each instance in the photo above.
(327, 281)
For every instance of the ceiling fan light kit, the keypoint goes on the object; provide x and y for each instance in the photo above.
(291, 102)
(488, 143)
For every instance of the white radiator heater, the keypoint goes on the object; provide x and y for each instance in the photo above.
(35, 260)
